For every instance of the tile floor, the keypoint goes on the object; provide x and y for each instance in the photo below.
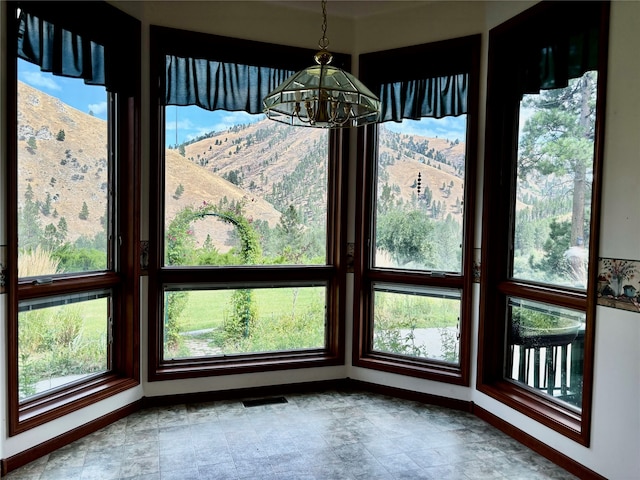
(320, 436)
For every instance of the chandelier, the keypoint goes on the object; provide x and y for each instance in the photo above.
(322, 96)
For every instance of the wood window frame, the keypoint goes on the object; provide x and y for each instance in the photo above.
(498, 218)
(459, 55)
(124, 368)
(192, 44)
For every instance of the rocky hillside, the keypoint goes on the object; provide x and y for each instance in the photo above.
(265, 165)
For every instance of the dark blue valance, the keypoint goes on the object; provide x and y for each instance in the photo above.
(431, 97)
(430, 80)
(60, 51)
(219, 86)
(90, 40)
(551, 62)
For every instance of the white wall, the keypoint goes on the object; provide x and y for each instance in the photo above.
(615, 445)
(616, 403)
(615, 430)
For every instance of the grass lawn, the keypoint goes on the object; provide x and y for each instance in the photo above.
(421, 311)
(208, 308)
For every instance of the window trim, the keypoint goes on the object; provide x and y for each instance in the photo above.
(125, 365)
(168, 40)
(402, 65)
(499, 191)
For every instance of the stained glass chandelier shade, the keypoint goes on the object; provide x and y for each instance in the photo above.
(322, 96)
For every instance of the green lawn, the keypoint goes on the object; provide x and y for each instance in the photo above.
(207, 308)
(420, 311)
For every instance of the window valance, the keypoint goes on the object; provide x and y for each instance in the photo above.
(431, 97)
(216, 72)
(429, 80)
(82, 44)
(566, 48)
(551, 64)
(218, 85)
(60, 51)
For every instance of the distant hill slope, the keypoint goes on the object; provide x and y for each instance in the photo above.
(75, 169)
(440, 163)
(264, 158)
(70, 171)
(267, 166)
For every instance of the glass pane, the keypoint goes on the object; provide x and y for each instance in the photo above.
(417, 322)
(210, 323)
(546, 349)
(555, 173)
(61, 340)
(420, 194)
(63, 174)
(241, 189)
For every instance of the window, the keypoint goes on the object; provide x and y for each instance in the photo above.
(72, 291)
(542, 188)
(245, 260)
(415, 224)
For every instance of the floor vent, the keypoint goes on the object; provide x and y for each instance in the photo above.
(257, 402)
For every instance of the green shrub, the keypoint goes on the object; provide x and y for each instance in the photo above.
(52, 344)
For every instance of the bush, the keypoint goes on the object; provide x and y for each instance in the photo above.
(52, 345)
(73, 259)
(175, 304)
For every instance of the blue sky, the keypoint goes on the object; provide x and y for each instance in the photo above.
(448, 127)
(193, 121)
(69, 90)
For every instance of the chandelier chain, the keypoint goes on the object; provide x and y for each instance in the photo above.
(324, 42)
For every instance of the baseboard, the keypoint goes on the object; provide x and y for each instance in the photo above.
(537, 446)
(244, 393)
(427, 398)
(33, 453)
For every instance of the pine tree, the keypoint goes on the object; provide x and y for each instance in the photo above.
(28, 194)
(566, 150)
(63, 228)
(46, 206)
(84, 212)
(289, 234)
(29, 230)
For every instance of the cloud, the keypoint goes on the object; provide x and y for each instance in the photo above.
(98, 108)
(448, 127)
(37, 79)
(185, 124)
(225, 119)
(194, 122)
(200, 131)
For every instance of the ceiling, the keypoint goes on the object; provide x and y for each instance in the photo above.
(351, 8)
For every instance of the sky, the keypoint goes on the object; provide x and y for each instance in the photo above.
(69, 90)
(192, 122)
(450, 128)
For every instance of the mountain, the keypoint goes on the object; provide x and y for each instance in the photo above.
(69, 171)
(265, 165)
(73, 170)
(440, 163)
